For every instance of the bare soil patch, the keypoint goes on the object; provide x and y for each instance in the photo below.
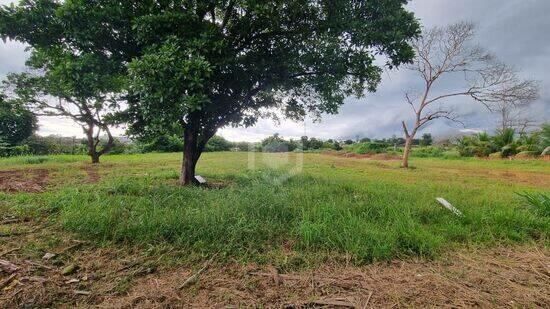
(376, 156)
(503, 277)
(92, 173)
(515, 276)
(30, 180)
(519, 177)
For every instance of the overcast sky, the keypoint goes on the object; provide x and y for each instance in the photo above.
(516, 31)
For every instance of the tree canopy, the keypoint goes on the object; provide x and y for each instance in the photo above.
(16, 122)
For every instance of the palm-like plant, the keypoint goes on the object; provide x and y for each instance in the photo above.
(505, 141)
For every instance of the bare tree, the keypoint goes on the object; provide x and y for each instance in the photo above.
(514, 117)
(515, 113)
(448, 52)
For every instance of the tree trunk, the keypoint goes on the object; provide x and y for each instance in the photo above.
(89, 130)
(194, 142)
(92, 142)
(409, 141)
(406, 152)
(191, 154)
(95, 158)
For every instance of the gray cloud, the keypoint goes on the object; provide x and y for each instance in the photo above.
(516, 31)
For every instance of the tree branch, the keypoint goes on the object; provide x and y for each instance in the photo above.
(405, 129)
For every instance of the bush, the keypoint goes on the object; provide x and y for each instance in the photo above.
(275, 143)
(163, 143)
(218, 143)
(243, 146)
(526, 154)
(371, 147)
(36, 160)
(427, 152)
(11, 151)
(279, 146)
(451, 154)
(478, 145)
(508, 150)
(45, 145)
(118, 146)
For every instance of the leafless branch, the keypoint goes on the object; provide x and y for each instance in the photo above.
(442, 52)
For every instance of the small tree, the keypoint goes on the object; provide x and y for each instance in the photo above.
(16, 122)
(447, 52)
(68, 85)
(426, 139)
(516, 115)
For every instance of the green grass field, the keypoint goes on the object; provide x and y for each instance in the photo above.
(287, 209)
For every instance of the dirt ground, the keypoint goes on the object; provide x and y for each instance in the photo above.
(31, 180)
(528, 178)
(376, 156)
(496, 278)
(514, 276)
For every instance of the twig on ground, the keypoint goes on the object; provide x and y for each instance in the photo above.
(275, 274)
(366, 304)
(132, 264)
(337, 302)
(195, 277)
(10, 221)
(7, 281)
(79, 292)
(38, 265)
(78, 244)
(9, 251)
(281, 276)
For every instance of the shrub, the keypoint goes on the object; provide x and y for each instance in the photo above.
(163, 143)
(218, 143)
(526, 154)
(426, 140)
(275, 143)
(45, 145)
(544, 138)
(427, 152)
(451, 154)
(508, 150)
(370, 147)
(36, 160)
(11, 151)
(540, 202)
(279, 146)
(118, 146)
(243, 146)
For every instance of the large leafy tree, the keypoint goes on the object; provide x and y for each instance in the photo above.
(208, 64)
(16, 122)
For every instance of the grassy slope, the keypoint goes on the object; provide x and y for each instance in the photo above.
(370, 210)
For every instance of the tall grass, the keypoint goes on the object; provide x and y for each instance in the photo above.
(311, 214)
